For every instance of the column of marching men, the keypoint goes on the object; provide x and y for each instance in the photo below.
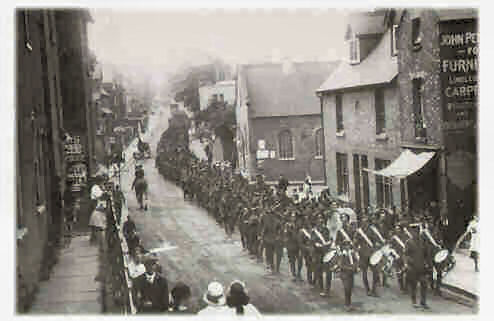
(317, 238)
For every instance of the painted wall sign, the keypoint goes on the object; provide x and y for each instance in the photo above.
(458, 44)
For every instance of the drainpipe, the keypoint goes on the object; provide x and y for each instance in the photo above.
(320, 95)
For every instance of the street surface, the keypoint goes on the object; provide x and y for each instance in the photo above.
(196, 250)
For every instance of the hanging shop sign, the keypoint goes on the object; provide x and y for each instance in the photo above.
(458, 44)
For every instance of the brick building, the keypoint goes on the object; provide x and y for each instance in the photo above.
(437, 81)
(48, 88)
(279, 120)
(360, 107)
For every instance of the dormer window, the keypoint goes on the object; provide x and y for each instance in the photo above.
(354, 47)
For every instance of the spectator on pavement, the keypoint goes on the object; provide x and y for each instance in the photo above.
(151, 289)
(180, 296)
(238, 300)
(215, 298)
(97, 223)
(136, 265)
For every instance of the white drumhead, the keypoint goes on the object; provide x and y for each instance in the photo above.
(329, 256)
(441, 256)
(375, 258)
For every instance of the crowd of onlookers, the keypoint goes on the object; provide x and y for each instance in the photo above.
(151, 291)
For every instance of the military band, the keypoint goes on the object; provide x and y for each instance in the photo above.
(317, 235)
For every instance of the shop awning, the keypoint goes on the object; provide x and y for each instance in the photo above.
(406, 164)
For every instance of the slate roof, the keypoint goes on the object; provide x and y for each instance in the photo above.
(366, 23)
(379, 67)
(273, 91)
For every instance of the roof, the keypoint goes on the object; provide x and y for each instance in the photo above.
(273, 91)
(457, 14)
(378, 68)
(366, 23)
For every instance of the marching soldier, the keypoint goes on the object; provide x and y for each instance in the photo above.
(322, 242)
(398, 241)
(292, 246)
(366, 248)
(268, 237)
(305, 244)
(278, 243)
(243, 227)
(348, 262)
(252, 232)
(416, 264)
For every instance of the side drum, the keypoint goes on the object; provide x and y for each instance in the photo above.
(331, 258)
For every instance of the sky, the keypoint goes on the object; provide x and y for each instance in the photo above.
(160, 39)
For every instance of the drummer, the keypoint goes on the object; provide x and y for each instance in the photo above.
(322, 242)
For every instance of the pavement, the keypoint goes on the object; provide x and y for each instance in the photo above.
(463, 278)
(72, 288)
(193, 248)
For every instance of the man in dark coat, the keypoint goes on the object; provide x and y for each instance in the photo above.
(151, 289)
(416, 256)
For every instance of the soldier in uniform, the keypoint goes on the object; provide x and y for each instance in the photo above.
(366, 247)
(243, 226)
(416, 264)
(292, 246)
(305, 244)
(268, 237)
(252, 232)
(278, 243)
(348, 263)
(322, 243)
(398, 241)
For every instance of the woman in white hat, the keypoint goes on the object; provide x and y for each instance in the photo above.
(238, 300)
(215, 298)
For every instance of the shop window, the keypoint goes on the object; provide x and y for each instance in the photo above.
(365, 180)
(384, 186)
(285, 141)
(342, 173)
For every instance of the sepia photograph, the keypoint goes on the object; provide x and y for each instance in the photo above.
(226, 162)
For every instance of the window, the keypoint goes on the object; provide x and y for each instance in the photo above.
(418, 111)
(416, 33)
(285, 144)
(365, 180)
(380, 111)
(354, 47)
(356, 180)
(27, 37)
(384, 186)
(319, 142)
(394, 40)
(342, 173)
(339, 114)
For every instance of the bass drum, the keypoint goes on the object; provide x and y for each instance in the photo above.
(331, 258)
(376, 258)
